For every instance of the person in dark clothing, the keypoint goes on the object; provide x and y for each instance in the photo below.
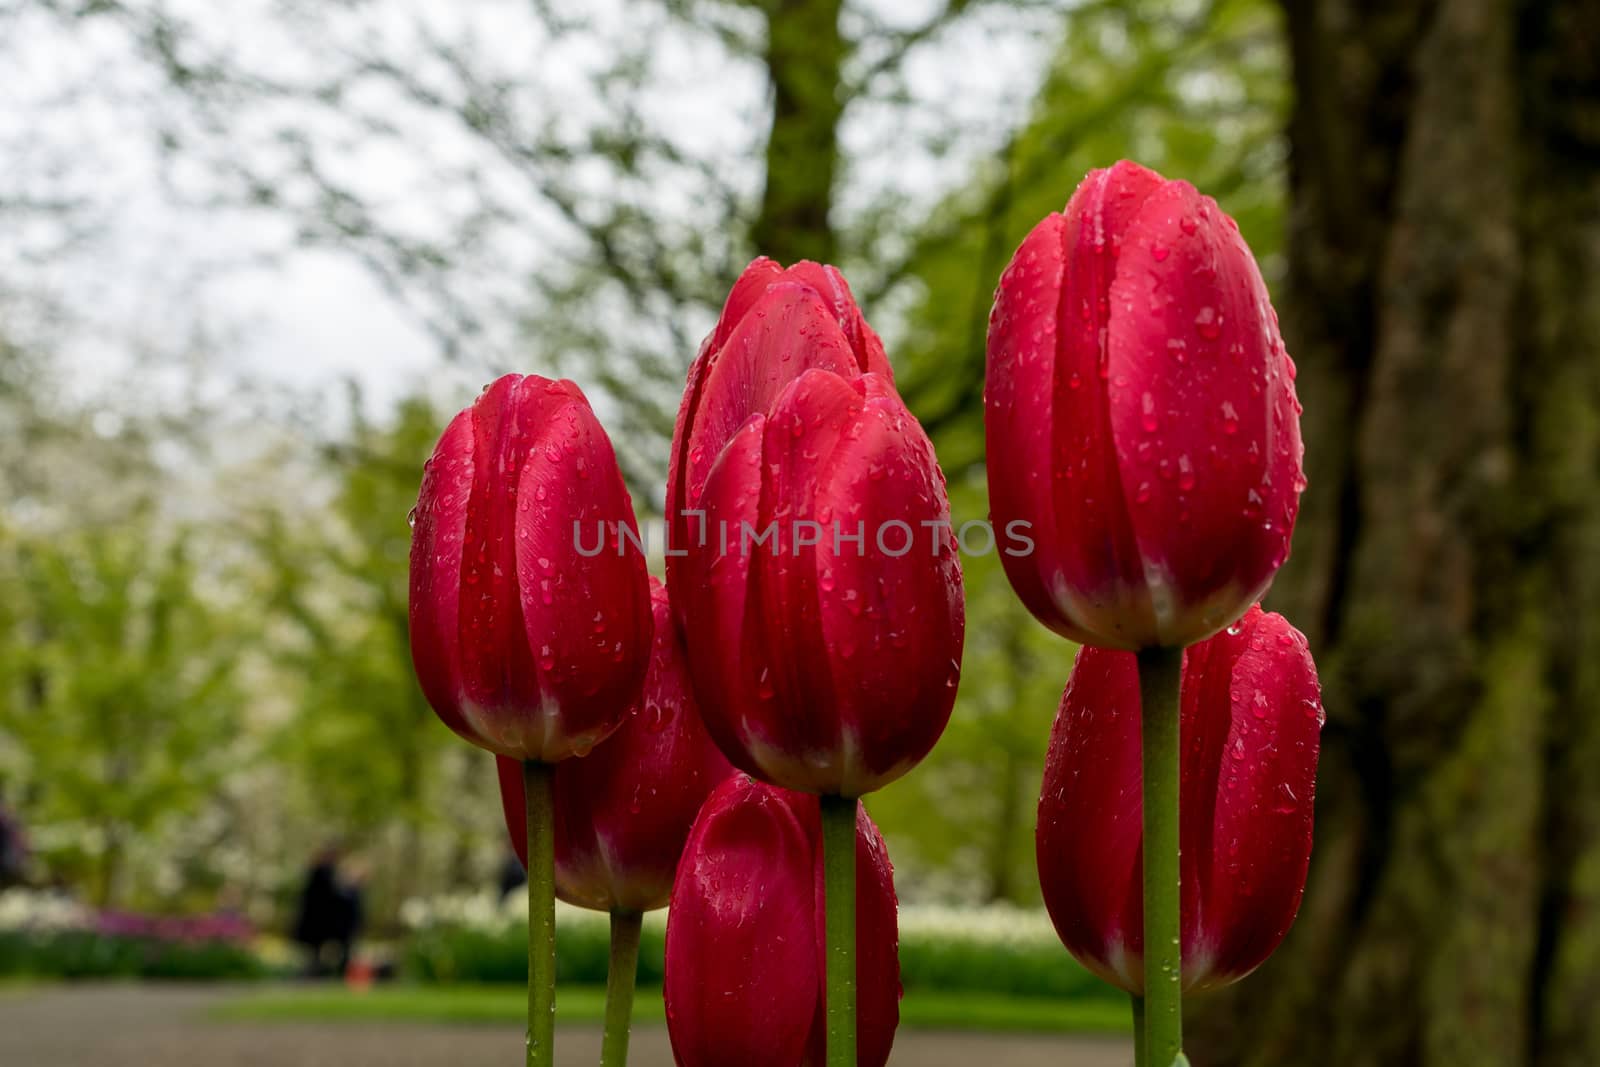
(13, 850)
(329, 917)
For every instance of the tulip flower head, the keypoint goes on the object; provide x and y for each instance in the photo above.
(1251, 716)
(623, 812)
(530, 612)
(744, 961)
(818, 584)
(1141, 416)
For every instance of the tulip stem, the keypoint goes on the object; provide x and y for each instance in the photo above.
(1160, 671)
(621, 975)
(839, 912)
(1138, 1030)
(540, 808)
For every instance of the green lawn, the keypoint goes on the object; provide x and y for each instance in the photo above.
(920, 1009)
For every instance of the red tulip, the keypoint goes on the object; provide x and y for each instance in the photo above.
(1141, 416)
(1251, 713)
(827, 561)
(624, 811)
(744, 975)
(530, 612)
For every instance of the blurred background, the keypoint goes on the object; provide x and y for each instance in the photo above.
(256, 252)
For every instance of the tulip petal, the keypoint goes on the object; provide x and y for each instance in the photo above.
(891, 606)
(835, 291)
(741, 962)
(799, 741)
(1253, 868)
(500, 688)
(436, 547)
(729, 679)
(1102, 574)
(1200, 404)
(1089, 837)
(754, 281)
(1022, 351)
(1045, 399)
(585, 591)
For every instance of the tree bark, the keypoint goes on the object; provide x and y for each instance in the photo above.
(805, 55)
(1444, 307)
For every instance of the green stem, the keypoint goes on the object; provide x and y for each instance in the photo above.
(621, 975)
(540, 810)
(1138, 1030)
(1160, 670)
(839, 903)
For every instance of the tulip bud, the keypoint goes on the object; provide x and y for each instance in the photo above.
(530, 612)
(828, 561)
(777, 324)
(1250, 720)
(745, 964)
(623, 812)
(1141, 416)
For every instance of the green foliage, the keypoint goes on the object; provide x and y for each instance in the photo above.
(122, 691)
(1003, 951)
(361, 731)
(956, 962)
(452, 953)
(371, 762)
(83, 954)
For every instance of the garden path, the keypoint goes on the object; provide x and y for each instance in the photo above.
(168, 1026)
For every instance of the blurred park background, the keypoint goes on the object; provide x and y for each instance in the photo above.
(256, 252)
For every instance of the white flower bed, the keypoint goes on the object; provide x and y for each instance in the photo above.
(33, 910)
(1000, 924)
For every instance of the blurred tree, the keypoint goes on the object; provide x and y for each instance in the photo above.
(1444, 308)
(371, 758)
(122, 694)
(588, 188)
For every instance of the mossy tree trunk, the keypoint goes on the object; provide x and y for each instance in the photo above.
(1444, 309)
(805, 57)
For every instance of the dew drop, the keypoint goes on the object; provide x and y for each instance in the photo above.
(1230, 418)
